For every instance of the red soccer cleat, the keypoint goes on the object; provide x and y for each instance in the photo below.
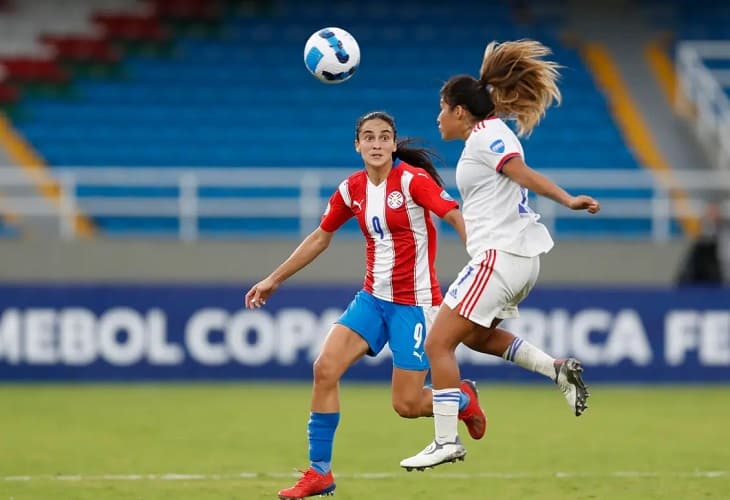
(473, 415)
(311, 484)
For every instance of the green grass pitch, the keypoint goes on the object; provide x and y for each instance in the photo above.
(243, 441)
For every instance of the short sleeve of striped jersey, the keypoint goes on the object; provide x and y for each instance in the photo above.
(430, 195)
(497, 148)
(336, 213)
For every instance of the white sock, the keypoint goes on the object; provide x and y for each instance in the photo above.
(445, 414)
(526, 355)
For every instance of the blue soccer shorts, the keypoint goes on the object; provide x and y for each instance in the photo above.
(401, 326)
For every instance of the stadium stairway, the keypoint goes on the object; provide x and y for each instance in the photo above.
(222, 84)
(8, 222)
(632, 59)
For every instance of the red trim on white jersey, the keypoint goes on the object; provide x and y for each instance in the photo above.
(480, 125)
(504, 160)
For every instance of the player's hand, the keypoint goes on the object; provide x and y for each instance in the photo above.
(584, 202)
(256, 297)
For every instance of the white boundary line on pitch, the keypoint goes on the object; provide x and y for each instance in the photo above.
(369, 475)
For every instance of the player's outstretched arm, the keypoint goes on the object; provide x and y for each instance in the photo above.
(523, 175)
(308, 250)
(584, 202)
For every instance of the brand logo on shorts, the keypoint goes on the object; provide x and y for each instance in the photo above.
(395, 199)
(446, 196)
(469, 270)
(419, 355)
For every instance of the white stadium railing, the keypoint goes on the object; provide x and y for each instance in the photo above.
(312, 188)
(703, 88)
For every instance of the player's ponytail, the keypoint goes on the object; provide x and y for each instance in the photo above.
(514, 83)
(520, 83)
(418, 157)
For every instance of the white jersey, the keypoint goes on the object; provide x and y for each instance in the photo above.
(495, 208)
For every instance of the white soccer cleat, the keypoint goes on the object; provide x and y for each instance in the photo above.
(435, 454)
(568, 377)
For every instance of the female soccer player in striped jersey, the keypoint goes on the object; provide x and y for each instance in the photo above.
(504, 239)
(391, 199)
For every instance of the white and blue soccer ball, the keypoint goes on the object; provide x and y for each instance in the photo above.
(332, 55)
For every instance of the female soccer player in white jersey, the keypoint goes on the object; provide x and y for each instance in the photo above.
(392, 199)
(504, 239)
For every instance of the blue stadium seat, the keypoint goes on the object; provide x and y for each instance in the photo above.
(235, 98)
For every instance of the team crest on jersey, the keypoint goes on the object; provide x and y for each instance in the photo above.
(395, 200)
(497, 146)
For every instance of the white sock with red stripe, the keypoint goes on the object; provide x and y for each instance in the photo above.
(445, 414)
(526, 355)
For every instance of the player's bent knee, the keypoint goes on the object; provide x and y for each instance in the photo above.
(326, 370)
(435, 346)
(407, 408)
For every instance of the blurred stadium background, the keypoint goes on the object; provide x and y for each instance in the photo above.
(157, 157)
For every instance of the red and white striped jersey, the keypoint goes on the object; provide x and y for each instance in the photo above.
(394, 217)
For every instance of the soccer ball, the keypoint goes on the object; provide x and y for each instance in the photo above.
(332, 55)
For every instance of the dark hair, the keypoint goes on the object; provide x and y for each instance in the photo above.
(514, 81)
(418, 157)
(467, 91)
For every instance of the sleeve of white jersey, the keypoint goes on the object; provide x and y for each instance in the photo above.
(497, 145)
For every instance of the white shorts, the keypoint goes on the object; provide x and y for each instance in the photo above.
(491, 285)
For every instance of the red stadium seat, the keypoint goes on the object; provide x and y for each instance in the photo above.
(84, 49)
(8, 94)
(188, 9)
(26, 70)
(132, 27)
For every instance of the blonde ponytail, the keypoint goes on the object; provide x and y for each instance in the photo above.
(520, 83)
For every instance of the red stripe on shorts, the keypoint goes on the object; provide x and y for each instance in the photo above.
(480, 282)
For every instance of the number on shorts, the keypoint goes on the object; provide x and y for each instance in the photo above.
(418, 335)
